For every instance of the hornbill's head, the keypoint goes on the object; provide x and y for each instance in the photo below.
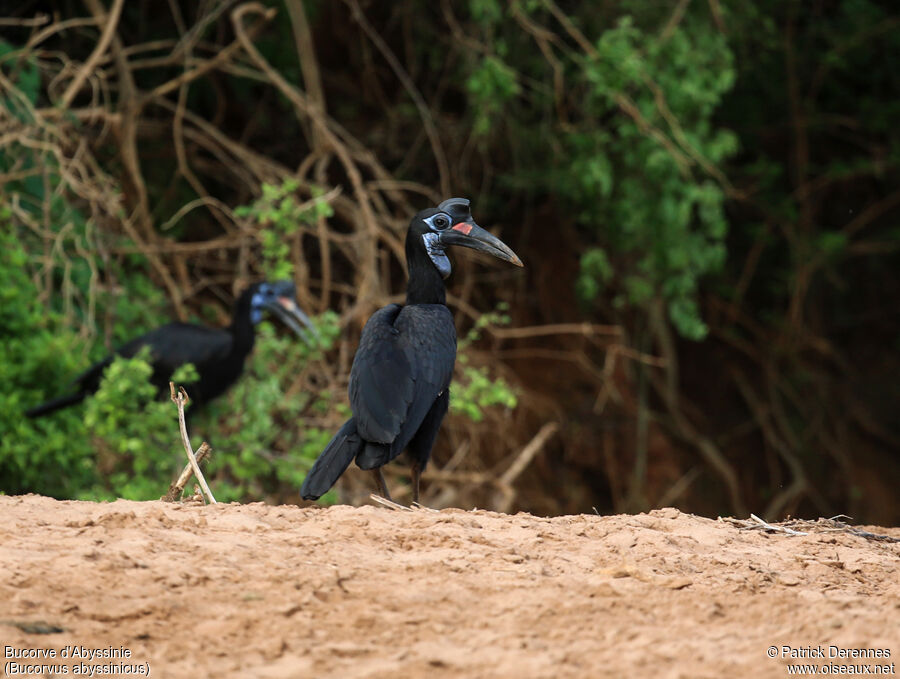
(451, 223)
(279, 298)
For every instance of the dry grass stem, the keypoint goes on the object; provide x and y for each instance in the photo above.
(180, 400)
(177, 487)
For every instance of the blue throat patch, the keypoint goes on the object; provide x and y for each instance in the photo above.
(255, 308)
(436, 253)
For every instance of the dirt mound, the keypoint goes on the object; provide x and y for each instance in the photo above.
(279, 591)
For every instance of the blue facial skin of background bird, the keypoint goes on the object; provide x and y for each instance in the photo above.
(278, 298)
(263, 295)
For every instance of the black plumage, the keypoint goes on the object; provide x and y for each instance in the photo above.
(218, 354)
(400, 379)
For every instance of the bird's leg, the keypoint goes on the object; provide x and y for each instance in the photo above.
(416, 475)
(382, 486)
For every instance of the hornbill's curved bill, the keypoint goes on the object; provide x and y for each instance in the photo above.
(279, 300)
(217, 354)
(464, 232)
(399, 382)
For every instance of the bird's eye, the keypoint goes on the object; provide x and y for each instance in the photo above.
(441, 222)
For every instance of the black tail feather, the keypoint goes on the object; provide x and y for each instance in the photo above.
(374, 455)
(55, 404)
(332, 462)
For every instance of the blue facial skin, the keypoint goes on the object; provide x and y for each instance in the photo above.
(436, 253)
(433, 242)
(259, 298)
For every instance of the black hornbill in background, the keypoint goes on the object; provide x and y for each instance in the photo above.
(218, 354)
(402, 370)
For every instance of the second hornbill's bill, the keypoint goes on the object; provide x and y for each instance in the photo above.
(279, 298)
(400, 379)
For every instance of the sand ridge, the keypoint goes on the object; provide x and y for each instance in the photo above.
(281, 591)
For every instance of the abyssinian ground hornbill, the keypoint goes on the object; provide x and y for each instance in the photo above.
(217, 353)
(399, 382)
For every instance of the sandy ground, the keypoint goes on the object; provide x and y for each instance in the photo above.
(263, 591)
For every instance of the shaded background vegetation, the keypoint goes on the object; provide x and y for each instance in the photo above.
(705, 196)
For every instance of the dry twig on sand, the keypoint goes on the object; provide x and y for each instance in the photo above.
(832, 525)
(180, 400)
(177, 487)
(756, 523)
(776, 529)
(390, 504)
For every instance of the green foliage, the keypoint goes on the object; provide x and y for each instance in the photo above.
(262, 439)
(132, 429)
(129, 445)
(257, 431)
(53, 456)
(842, 62)
(499, 316)
(643, 182)
(124, 441)
(27, 80)
(490, 85)
(47, 333)
(486, 11)
(474, 390)
(281, 216)
(596, 271)
(662, 213)
(42, 196)
(832, 244)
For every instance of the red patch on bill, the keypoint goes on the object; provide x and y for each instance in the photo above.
(463, 228)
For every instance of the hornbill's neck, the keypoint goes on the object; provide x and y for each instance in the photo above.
(242, 328)
(426, 285)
